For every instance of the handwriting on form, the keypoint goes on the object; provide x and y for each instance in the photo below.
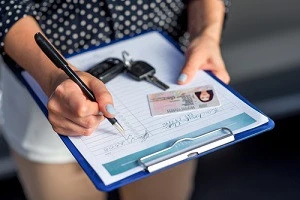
(128, 139)
(181, 120)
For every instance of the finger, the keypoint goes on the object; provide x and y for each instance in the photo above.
(190, 69)
(75, 111)
(218, 69)
(103, 98)
(69, 100)
(82, 107)
(56, 110)
(223, 75)
(67, 127)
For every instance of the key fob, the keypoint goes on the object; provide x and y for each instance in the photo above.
(139, 70)
(107, 69)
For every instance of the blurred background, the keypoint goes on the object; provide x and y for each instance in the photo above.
(261, 48)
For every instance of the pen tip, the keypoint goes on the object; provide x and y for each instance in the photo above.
(119, 128)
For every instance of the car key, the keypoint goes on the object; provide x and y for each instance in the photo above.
(141, 70)
(107, 69)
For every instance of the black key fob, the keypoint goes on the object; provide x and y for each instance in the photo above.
(107, 69)
(139, 70)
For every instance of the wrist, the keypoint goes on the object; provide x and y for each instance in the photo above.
(211, 31)
(206, 17)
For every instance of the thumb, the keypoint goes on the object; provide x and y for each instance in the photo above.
(190, 69)
(104, 99)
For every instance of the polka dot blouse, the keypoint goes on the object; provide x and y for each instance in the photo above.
(75, 25)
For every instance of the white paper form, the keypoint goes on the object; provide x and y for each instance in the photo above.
(114, 156)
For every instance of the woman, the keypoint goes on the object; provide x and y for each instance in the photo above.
(45, 167)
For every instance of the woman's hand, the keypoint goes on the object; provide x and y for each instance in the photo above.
(71, 113)
(205, 25)
(203, 53)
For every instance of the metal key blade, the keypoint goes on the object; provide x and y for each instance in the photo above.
(152, 79)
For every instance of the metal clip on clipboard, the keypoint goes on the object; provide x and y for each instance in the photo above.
(195, 146)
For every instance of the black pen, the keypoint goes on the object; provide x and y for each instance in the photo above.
(61, 63)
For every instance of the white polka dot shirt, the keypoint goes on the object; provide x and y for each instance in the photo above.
(76, 25)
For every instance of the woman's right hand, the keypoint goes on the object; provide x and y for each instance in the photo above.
(70, 112)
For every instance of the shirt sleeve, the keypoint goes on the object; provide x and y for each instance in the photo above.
(10, 12)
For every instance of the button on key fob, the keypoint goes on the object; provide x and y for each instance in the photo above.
(107, 69)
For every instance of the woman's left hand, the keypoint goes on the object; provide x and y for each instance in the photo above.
(203, 53)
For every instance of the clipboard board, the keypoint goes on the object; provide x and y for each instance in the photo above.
(206, 141)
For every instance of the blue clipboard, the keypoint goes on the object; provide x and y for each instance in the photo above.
(213, 140)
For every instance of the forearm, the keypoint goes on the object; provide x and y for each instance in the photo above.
(20, 45)
(206, 17)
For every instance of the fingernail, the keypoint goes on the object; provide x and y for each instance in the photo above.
(110, 108)
(182, 77)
